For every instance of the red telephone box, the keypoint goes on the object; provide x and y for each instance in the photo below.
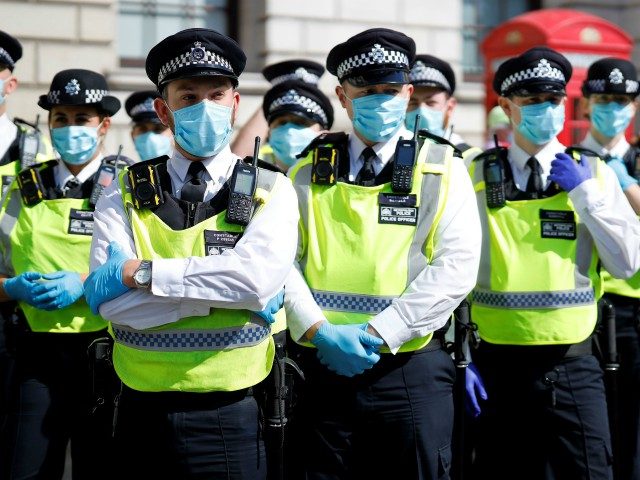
(581, 37)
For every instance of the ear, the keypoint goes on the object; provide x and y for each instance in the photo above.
(585, 107)
(236, 103)
(162, 110)
(451, 104)
(506, 106)
(104, 127)
(341, 96)
(10, 85)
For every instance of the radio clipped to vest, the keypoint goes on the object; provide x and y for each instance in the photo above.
(145, 184)
(404, 161)
(103, 178)
(29, 142)
(32, 184)
(242, 190)
(494, 177)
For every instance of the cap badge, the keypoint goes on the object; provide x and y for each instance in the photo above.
(289, 97)
(543, 69)
(197, 52)
(616, 76)
(73, 87)
(377, 53)
(148, 104)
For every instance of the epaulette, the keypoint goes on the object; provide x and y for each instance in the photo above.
(337, 139)
(576, 151)
(424, 134)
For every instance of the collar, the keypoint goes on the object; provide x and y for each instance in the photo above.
(63, 175)
(384, 150)
(518, 157)
(618, 150)
(217, 167)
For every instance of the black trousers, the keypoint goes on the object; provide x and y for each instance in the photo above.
(180, 435)
(393, 421)
(50, 405)
(628, 384)
(545, 417)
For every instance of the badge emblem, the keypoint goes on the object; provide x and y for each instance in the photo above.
(377, 53)
(616, 76)
(543, 69)
(148, 105)
(197, 52)
(73, 87)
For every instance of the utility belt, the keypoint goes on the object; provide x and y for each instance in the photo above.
(543, 352)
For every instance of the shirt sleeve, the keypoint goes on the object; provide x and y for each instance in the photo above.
(300, 306)
(431, 298)
(614, 227)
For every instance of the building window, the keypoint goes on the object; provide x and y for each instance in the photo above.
(143, 23)
(479, 17)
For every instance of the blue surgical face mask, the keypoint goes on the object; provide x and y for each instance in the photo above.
(611, 118)
(75, 144)
(152, 145)
(203, 129)
(2, 96)
(289, 139)
(541, 122)
(430, 119)
(378, 117)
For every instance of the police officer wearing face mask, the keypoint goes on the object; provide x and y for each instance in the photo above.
(378, 273)
(296, 112)
(151, 138)
(434, 83)
(610, 90)
(180, 280)
(548, 222)
(45, 231)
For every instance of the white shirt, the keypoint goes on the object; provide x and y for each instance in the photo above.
(606, 212)
(8, 133)
(384, 152)
(618, 150)
(62, 174)
(429, 300)
(245, 277)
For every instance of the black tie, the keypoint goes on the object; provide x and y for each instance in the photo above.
(367, 175)
(534, 185)
(71, 188)
(193, 190)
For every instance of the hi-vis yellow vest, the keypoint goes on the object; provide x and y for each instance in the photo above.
(360, 247)
(51, 236)
(224, 351)
(538, 281)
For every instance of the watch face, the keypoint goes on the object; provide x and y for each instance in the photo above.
(142, 276)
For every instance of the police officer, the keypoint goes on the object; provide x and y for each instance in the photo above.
(151, 138)
(548, 221)
(434, 83)
(302, 70)
(380, 272)
(610, 92)
(45, 233)
(178, 277)
(297, 112)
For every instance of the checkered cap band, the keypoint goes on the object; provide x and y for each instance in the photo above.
(94, 96)
(526, 300)
(186, 59)
(542, 70)
(422, 73)
(378, 55)
(300, 74)
(293, 98)
(144, 107)
(54, 96)
(192, 340)
(6, 58)
(349, 302)
(599, 84)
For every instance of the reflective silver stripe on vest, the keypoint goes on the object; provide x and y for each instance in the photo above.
(528, 300)
(7, 224)
(350, 302)
(302, 185)
(247, 335)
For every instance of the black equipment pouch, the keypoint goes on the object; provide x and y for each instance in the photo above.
(37, 182)
(99, 352)
(330, 151)
(145, 182)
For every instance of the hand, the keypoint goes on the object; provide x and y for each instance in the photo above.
(346, 349)
(21, 288)
(61, 290)
(620, 169)
(568, 173)
(105, 282)
(474, 387)
(273, 306)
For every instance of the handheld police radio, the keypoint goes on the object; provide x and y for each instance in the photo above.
(29, 143)
(493, 170)
(103, 178)
(242, 190)
(404, 161)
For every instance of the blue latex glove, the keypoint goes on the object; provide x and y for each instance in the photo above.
(105, 282)
(620, 169)
(568, 173)
(21, 288)
(273, 307)
(474, 387)
(346, 349)
(61, 290)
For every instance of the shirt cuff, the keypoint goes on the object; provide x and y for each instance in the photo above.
(587, 196)
(167, 277)
(301, 318)
(391, 328)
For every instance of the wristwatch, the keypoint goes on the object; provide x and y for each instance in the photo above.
(142, 275)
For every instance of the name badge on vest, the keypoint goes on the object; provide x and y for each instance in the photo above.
(81, 222)
(215, 243)
(559, 224)
(397, 208)
(6, 181)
